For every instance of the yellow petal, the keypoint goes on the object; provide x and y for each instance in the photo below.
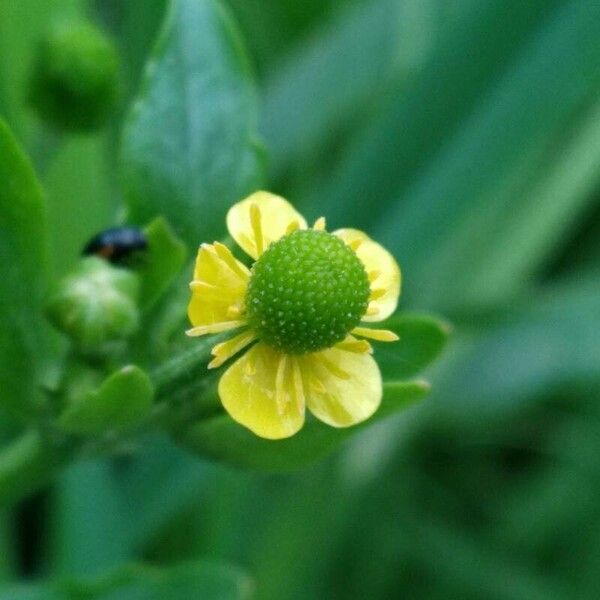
(383, 270)
(214, 328)
(342, 388)
(262, 392)
(219, 284)
(225, 350)
(380, 335)
(351, 344)
(261, 219)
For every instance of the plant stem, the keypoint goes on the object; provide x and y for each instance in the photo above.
(33, 460)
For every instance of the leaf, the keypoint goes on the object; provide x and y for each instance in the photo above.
(422, 339)
(416, 118)
(456, 217)
(23, 253)
(348, 63)
(199, 579)
(97, 513)
(81, 197)
(189, 145)
(121, 400)
(223, 439)
(506, 361)
(162, 262)
(183, 582)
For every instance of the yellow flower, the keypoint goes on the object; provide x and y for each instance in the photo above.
(302, 303)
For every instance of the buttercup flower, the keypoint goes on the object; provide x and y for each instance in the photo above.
(301, 305)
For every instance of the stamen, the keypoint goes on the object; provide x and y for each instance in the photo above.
(211, 253)
(235, 311)
(293, 226)
(320, 224)
(281, 396)
(373, 275)
(317, 385)
(355, 244)
(225, 254)
(377, 293)
(250, 369)
(334, 369)
(351, 344)
(214, 328)
(211, 293)
(256, 222)
(298, 387)
(248, 242)
(380, 335)
(225, 350)
(198, 284)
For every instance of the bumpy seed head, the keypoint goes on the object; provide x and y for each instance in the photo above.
(306, 292)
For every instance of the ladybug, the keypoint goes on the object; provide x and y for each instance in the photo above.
(117, 244)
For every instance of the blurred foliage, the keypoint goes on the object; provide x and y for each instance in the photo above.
(466, 135)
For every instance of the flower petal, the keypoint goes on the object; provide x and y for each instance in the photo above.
(219, 286)
(261, 392)
(253, 229)
(342, 388)
(225, 350)
(383, 269)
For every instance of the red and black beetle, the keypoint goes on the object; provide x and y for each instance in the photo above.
(117, 244)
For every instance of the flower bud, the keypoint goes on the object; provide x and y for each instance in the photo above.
(75, 78)
(96, 305)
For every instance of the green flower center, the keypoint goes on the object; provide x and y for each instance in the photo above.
(306, 292)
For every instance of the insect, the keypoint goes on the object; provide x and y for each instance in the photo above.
(118, 245)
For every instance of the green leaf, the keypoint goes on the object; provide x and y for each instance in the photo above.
(164, 258)
(189, 146)
(23, 251)
(195, 580)
(199, 579)
(422, 339)
(505, 361)
(122, 399)
(223, 439)
(414, 119)
(81, 197)
(349, 63)
(432, 225)
(112, 491)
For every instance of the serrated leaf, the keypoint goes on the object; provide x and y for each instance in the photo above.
(162, 262)
(223, 439)
(23, 253)
(120, 401)
(189, 146)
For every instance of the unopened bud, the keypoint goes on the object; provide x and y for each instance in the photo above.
(75, 79)
(96, 304)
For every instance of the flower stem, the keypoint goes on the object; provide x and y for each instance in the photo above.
(183, 391)
(185, 374)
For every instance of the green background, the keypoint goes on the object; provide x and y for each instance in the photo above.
(463, 135)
